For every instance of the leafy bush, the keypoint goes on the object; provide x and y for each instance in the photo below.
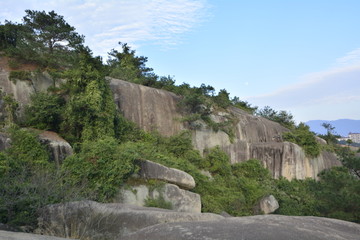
(102, 166)
(296, 197)
(20, 75)
(284, 118)
(302, 136)
(217, 161)
(44, 111)
(23, 168)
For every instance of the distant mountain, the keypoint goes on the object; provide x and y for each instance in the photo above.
(342, 126)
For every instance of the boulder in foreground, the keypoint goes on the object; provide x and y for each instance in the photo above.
(261, 227)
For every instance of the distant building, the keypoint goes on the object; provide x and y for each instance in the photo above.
(343, 139)
(355, 137)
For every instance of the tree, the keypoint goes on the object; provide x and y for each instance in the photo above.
(127, 66)
(284, 118)
(52, 31)
(244, 105)
(222, 99)
(330, 135)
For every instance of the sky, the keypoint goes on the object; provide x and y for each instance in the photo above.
(302, 56)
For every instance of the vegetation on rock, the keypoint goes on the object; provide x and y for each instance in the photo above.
(106, 145)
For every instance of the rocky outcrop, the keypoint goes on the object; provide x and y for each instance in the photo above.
(151, 170)
(255, 137)
(181, 200)
(266, 205)
(92, 220)
(154, 109)
(57, 146)
(95, 221)
(139, 190)
(150, 108)
(269, 227)
(4, 235)
(21, 90)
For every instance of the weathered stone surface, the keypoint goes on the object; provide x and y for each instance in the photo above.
(255, 137)
(107, 221)
(181, 200)
(4, 235)
(151, 170)
(154, 109)
(269, 227)
(5, 141)
(58, 147)
(23, 89)
(266, 205)
(149, 108)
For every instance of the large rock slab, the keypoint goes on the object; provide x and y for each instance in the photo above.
(255, 137)
(265, 227)
(4, 235)
(88, 219)
(150, 108)
(181, 200)
(151, 170)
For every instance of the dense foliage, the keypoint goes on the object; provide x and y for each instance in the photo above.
(302, 136)
(106, 145)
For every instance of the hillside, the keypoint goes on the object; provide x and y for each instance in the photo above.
(342, 126)
(76, 131)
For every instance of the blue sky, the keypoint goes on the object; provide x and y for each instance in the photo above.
(302, 56)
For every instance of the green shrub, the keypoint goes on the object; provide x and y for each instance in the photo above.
(44, 111)
(25, 173)
(13, 64)
(302, 136)
(102, 166)
(217, 161)
(19, 75)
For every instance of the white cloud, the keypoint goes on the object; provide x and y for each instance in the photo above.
(350, 58)
(105, 23)
(331, 94)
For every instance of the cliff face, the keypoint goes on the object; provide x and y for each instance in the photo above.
(154, 109)
(149, 108)
(22, 90)
(255, 137)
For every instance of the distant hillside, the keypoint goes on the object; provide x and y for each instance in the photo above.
(342, 126)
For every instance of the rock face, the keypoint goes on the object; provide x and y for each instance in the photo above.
(267, 204)
(255, 137)
(150, 108)
(270, 227)
(181, 200)
(154, 109)
(88, 219)
(151, 170)
(91, 220)
(58, 147)
(22, 90)
(25, 236)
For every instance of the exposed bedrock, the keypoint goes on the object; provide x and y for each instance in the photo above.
(92, 220)
(155, 109)
(255, 137)
(269, 227)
